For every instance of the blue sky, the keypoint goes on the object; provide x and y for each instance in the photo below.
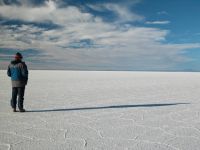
(152, 35)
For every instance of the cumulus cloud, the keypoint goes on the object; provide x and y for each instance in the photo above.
(85, 41)
(45, 13)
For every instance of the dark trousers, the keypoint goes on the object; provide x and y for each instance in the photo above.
(20, 92)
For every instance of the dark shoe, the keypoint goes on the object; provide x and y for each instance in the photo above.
(22, 110)
(14, 110)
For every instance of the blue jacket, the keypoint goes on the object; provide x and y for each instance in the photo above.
(18, 72)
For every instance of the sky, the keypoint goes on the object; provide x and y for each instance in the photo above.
(134, 35)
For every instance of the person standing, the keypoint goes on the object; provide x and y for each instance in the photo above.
(18, 72)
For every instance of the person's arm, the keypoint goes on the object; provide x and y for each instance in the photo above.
(8, 71)
(24, 72)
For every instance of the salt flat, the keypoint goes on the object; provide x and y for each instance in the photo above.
(103, 110)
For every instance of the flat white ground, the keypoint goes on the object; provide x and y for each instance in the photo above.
(103, 110)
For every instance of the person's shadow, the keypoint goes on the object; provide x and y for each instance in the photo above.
(109, 107)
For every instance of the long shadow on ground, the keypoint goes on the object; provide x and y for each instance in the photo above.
(109, 107)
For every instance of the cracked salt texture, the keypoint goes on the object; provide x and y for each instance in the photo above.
(86, 110)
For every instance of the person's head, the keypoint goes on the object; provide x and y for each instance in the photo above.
(18, 56)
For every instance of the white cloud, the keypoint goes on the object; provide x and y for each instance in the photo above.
(162, 13)
(37, 14)
(158, 22)
(48, 12)
(113, 45)
(123, 12)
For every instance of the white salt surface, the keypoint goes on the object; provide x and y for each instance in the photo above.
(103, 110)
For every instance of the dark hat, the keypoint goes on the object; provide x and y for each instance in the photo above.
(18, 55)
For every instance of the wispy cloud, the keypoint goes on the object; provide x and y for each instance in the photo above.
(162, 13)
(122, 12)
(158, 22)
